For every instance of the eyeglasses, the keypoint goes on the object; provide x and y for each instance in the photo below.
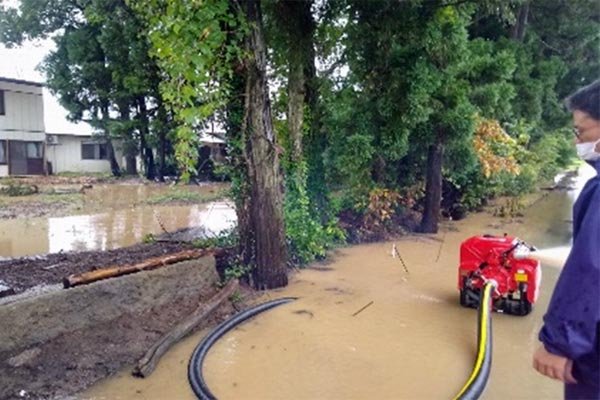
(578, 132)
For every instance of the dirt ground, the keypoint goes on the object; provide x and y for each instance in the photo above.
(58, 196)
(72, 362)
(23, 273)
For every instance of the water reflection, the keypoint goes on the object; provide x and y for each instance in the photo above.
(548, 222)
(126, 227)
(127, 222)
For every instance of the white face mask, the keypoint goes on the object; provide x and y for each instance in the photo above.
(587, 151)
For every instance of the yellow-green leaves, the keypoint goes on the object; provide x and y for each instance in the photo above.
(197, 44)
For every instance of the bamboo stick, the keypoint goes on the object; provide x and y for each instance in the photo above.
(151, 263)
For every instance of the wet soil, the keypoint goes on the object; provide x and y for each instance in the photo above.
(61, 196)
(70, 362)
(23, 273)
(76, 359)
(92, 343)
(34, 209)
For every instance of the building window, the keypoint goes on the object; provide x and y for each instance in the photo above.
(94, 151)
(2, 109)
(34, 150)
(3, 159)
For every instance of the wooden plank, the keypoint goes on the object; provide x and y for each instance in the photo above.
(147, 364)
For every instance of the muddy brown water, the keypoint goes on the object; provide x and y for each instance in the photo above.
(112, 216)
(412, 342)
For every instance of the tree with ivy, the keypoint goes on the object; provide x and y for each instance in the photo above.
(291, 34)
(208, 51)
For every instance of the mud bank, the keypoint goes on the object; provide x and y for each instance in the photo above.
(58, 343)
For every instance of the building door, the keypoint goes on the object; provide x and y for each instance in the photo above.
(17, 158)
(26, 158)
(35, 158)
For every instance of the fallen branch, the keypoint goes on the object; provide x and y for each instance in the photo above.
(147, 364)
(362, 309)
(441, 245)
(395, 253)
(152, 263)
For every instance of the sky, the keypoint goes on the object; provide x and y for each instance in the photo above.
(21, 63)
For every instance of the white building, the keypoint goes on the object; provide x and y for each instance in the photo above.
(22, 133)
(31, 146)
(72, 152)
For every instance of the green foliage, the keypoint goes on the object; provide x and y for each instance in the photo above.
(179, 195)
(196, 44)
(308, 239)
(236, 298)
(237, 271)
(222, 240)
(149, 238)
(13, 188)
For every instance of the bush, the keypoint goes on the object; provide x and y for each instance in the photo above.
(308, 238)
(14, 189)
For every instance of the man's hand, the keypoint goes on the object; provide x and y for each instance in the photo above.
(553, 366)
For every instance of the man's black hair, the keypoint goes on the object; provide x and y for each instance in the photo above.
(586, 99)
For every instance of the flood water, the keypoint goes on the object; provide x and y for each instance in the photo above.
(112, 216)
(413, 341)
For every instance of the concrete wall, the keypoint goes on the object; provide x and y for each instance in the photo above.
(66, 156)
(39, 319)
(55, 344)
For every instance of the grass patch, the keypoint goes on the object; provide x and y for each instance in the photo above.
(13, 188)
(42, 198)
(99, 175)
(184, 196)
(59, 198)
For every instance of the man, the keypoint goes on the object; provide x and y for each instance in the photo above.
(570, 335)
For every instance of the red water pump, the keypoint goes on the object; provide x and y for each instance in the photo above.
(505, 261)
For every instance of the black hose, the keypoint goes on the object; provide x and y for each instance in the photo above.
(472, 390)
(476, 383)
(195, 376)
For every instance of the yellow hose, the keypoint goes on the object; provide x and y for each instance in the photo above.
(476, 382)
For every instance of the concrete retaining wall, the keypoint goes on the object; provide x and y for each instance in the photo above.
(37, 320)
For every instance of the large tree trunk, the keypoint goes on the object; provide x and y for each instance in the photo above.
(297, 20)
(130, 164)
(263, 238)
(518, 29)
(114, 165)
(433, 188)
(146, 150)
(162, 142)
(315, 140)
